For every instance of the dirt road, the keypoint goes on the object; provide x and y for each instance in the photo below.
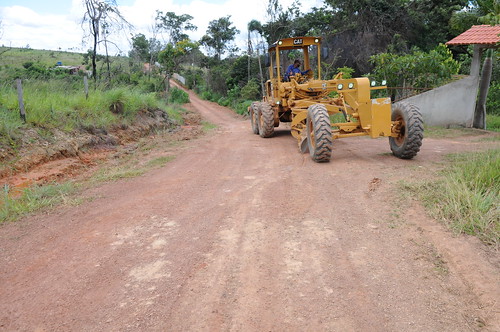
(242, 233)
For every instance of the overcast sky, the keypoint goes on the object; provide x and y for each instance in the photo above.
(54, 24)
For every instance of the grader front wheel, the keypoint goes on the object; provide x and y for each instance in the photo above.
(409, 128)
(266, 120)
(319, 133)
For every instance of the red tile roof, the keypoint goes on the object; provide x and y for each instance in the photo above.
(478, 34)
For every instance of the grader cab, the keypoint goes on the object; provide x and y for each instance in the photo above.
(309, 104)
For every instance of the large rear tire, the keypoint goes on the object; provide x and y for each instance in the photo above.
(254, 112)
(410, 129)
(266, 120)
(319, 133)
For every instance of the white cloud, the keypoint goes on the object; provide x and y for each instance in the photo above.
(23, 26)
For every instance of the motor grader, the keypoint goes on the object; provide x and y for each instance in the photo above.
(310, 105)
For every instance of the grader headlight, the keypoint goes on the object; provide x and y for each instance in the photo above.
(373, 83)
(316, 40)
(340, 86)
(351, 85)
(384, 82)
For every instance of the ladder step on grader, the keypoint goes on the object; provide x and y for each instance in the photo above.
(310, 105)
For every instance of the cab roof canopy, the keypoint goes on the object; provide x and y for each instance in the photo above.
(294, 43)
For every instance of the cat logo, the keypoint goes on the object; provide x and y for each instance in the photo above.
(297, 41)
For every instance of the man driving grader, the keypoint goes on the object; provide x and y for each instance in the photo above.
(308, 103)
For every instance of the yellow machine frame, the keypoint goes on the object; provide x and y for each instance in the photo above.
(309, 102)
(364, 116)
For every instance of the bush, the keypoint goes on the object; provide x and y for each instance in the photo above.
(242, 108)
(493, 101)
(418, 69)
(251, 91)
(347, 71)
(493, 122)
(178, 96)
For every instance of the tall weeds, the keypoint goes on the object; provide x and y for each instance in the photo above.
(467, 196)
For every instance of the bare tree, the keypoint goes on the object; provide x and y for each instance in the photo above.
(2, 49)
(255, 26)
(101, 17)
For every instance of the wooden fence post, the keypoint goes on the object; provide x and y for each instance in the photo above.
(22, 111)
(86, 86)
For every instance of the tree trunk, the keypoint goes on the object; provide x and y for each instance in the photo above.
(107, 61)
(167, 82)
(261, 75)
(484, 85)
(94, 53)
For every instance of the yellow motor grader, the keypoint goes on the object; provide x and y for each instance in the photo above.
(310, 103)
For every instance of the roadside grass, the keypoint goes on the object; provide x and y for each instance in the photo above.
(159, 162)
(116, 173)
(35, 198)
(466, 195)
(49, 104)
(441, 132)
(493, 122)
(207, 126)
(489, 139)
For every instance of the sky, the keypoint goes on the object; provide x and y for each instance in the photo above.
(55, 24)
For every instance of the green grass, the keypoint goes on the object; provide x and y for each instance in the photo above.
(58, 104)
(489, 139)
(207, 126)
(493, 122)
(15, 57)
(441, 132)
(466, 196)
(160, 161)
(33, 199)
(117, 173)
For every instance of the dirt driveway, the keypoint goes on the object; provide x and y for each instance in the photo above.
(242, 233)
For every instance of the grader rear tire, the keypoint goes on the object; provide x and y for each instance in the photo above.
(411, 131)
(319, 133)
(266, 120)
(254, 110)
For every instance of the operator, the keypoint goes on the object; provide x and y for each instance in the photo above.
(294, 69)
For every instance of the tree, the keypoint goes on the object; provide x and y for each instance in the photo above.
(219, 36)
(174, 25)
(140, 48)
(101, 16)
(2, 51)
(255, 26)
(281, 23)
(170, 56)
(490, 10)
